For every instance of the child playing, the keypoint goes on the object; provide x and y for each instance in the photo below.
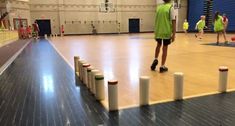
(225, 21)
(22, 32)
(185, 26)
(165, 28)
(35, 30)
(29, 31)
(62, 30)
(219, 27)
(200, 27)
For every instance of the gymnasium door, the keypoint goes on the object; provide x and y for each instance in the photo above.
(44, 27)
(134, 25)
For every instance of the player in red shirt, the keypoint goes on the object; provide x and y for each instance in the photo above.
(29, 31)
(35, 29)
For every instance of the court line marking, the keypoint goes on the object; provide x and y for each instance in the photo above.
(184, 98)
(50, 41)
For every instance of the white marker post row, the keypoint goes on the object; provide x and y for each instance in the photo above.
(94, 80)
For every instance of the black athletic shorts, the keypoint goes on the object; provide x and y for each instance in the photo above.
(165, 41)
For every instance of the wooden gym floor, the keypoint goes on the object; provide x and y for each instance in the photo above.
(39, 89)
(126, 57)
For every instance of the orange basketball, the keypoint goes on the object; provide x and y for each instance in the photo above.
(233, 38)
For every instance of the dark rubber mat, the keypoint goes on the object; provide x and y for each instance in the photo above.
(230, 44)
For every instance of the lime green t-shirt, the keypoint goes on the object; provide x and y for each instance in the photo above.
(218, 24)
(163, 22)
(185, 26)
(201, 24)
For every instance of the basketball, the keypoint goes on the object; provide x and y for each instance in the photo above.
(233, 38)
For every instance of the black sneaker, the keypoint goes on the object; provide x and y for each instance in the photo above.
(163, 69)
(154, 64)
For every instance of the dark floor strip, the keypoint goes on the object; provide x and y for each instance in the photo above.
(40, 89)
(7, 51)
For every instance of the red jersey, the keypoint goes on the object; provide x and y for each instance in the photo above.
(21, 30)
(28, 29)
(225, 19)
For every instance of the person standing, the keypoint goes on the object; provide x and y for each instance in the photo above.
(219, 27)
(200, 27)
(165, 28)
(185, 26)
(29, 31)
(62, 30)
(35, 29)
(22, 32)
(225, 21)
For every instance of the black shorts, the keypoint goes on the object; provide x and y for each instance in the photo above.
(165, 41)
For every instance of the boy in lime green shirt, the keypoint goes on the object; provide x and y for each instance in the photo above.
(200, 27)
(165, 28)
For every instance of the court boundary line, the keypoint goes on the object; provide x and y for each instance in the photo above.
(60, 53)
(184, 98)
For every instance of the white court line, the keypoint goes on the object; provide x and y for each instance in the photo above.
(60, 53)
(172, 100)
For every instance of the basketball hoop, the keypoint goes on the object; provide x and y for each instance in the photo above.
(177, 4)
(107, 7)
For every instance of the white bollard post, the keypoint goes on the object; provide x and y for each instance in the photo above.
(45, 36)
(81, 68)
(93, 73)
(223, 77)
(89, 69)
(99, 86)
(85, 78)
(178, 85)
(144, 90)
(113, 95)
(76, 67)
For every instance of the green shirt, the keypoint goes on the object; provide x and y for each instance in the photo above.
(185, 26)
(163, 22)
(218, 24)
(201, 24)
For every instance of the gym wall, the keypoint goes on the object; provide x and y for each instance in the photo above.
(228, 7)
(196, 9)
(17, 9)
(77, 16)
(182, 15)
